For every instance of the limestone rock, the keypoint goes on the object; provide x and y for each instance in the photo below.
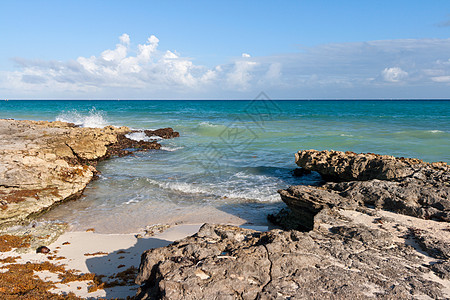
(349, 166)
(165, 133)
(42, 163)
(379, 229)
(406, 186)
(343, 259)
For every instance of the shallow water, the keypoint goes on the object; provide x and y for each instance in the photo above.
(232, 156)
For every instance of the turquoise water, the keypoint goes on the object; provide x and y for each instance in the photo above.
(232, 156)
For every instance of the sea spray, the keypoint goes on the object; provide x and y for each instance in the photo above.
(94, 118)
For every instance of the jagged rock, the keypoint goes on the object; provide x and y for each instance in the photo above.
(345, 246)
(409, 197)
(42, 163)
(409, 186)
(123, 143)
(349, 166)
(165, 133)
(340, 259)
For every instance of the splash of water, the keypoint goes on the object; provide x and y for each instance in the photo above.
(94, 118)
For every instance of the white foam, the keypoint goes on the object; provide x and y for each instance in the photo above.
(94, 119)
(137, 136)
(208, 124)
(141, 136)
(131, 201)
(155, 137)
(183, 187)
(233, 189)
(171, 149)
(435, 131)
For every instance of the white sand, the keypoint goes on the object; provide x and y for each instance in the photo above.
(121, 249)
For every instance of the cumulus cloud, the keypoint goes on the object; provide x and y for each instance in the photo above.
(148, 69)
(394, 74)
(343, 70)
(241, 74)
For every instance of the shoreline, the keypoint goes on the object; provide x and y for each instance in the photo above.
(371, 215)
(105, 255)
(45, 163)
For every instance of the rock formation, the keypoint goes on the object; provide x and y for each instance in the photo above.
(349, 255)
(165, 133)
(406, 186)
(42, 163)
(379, 231)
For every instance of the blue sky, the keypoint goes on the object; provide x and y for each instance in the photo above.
(224, 49)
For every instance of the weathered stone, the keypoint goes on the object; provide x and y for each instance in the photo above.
(165, 133)
(409, 197)
(347, 246)
(343, 259)
(43, 163)
(409, 186)
(349, 166)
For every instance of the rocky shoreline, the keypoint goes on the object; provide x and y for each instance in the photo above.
(43, 163)
(377, 227)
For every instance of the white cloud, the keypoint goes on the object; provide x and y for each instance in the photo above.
(149, 69)
(394, 74)
(345, 70)
(240, 75)
(125, 39)
(441, 79)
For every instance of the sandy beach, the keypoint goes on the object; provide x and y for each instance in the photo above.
(105, 255)
(354, 224)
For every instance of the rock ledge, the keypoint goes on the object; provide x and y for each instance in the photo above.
(43, 163)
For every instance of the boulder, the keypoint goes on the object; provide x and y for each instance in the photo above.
(349, 166)
(405, 186)
(165, 133)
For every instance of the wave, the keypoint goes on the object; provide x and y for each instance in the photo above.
(170, 149)
(187, 188)
(94, 118)
(435, 131)
(208, 124)
(232, 189)
(141, 136)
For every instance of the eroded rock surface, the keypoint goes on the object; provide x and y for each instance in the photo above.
(42, 163)
(165, 133)
(378, 229)
(406, 186)
(349, 255)
(350, 166)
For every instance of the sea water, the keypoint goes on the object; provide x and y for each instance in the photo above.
(231, 156)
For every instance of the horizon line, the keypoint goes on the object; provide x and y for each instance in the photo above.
(205, 99)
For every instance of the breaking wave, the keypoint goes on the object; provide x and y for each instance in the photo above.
(233, 189)
(94, 118)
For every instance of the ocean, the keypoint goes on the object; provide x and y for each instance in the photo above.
(231, 157)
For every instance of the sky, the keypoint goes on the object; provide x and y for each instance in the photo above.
(224, 49)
